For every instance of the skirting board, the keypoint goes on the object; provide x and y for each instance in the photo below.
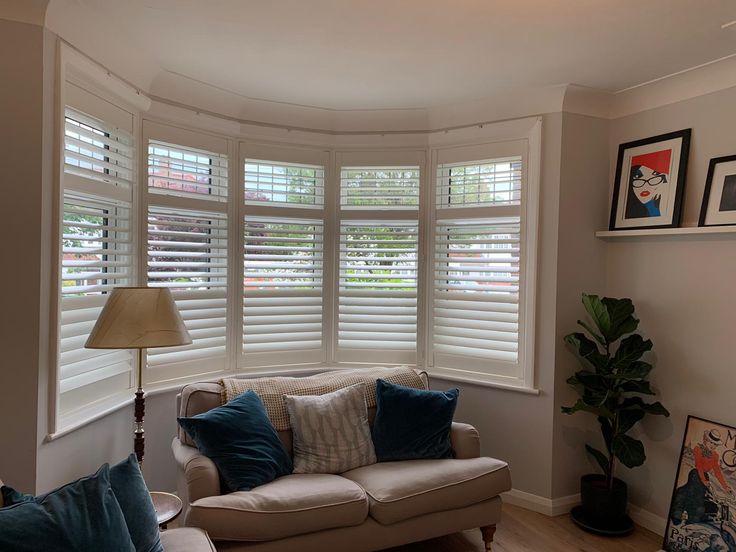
(562, 505)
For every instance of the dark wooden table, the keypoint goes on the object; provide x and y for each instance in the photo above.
(168, 507)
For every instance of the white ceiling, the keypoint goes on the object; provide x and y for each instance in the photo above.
(384, 54)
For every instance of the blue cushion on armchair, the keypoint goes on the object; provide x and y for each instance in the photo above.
(412, 423)
(80, 516)
(240, 439)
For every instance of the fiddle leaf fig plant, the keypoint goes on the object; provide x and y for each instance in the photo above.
(613, 379)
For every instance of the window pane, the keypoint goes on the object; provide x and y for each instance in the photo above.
(386, 187)
(176, 170)
(267, 182)
(481, 183)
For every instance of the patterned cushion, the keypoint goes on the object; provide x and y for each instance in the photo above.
(331, 432)
(272, 389)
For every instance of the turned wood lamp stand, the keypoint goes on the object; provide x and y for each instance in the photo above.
(139, 318)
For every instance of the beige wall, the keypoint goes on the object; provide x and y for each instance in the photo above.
(581, 265)
(683, 288)
(22, 160)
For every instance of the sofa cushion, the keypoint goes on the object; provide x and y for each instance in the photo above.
(240, 440)
(413, 424)
(406, 489)
(291, 505)
(186, 539)
(331, 431)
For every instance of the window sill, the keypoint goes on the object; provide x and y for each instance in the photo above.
(482, 380)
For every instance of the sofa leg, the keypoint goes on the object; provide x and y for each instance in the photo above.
(488, 532)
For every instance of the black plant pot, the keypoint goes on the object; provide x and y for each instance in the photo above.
(603, 510)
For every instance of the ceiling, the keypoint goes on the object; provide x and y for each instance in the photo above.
(398, 54)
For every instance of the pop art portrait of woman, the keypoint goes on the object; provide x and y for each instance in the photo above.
(650, 179)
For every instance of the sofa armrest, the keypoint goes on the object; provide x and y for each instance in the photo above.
(465, 440)
(198, 474)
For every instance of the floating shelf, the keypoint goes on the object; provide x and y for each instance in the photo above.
(689, 231)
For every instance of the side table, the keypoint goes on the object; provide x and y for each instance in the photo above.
(168, 507)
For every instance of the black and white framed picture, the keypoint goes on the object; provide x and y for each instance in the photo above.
(650, 181)
(719, 200)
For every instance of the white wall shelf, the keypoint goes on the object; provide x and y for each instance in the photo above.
(689, 231)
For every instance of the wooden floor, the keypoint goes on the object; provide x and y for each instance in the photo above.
(521, 530)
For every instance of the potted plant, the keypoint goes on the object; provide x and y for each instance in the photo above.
(611, 384)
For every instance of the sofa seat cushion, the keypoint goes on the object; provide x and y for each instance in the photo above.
(406, 489)
(291, 505)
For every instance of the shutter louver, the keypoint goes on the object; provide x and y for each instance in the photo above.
(295, 185)
(187, 252)
(476, 288)
(185, 172)
(385, 187)
(282, 281)
(378, 285)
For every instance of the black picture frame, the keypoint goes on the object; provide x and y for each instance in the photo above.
(684, 135)
(666, 539)
(709, 185)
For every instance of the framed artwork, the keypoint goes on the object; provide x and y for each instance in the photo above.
(702, 514)
(719, 200)
(650, 181)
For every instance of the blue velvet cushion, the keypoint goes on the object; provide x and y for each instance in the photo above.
(241, 441)
(135, 501)
(411, 423)
(81, 516)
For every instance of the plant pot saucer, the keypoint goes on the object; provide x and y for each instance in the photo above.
(619, 529)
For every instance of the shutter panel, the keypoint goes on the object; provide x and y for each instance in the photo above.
(282, 287)
(187, 252)
(186, 172)
(95, 151)
(292, 184)
(386, 187)
(481, 183)
(378, 286)
(96, 255)
(476, 288)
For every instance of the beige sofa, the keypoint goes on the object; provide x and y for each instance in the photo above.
(369, 508)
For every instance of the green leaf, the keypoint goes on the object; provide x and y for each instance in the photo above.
(581, 405)
(592, 332)
(635, 371)
(601, 458)
(628, 450)
(636, 403)
(598, 313)
(588, 351)
(628, 419)
(630, 350)
(620, 312)
(637, 386)
(592, 381)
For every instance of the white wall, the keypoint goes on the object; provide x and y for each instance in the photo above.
(683, 288)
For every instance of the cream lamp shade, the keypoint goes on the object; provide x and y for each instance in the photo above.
(138, 318)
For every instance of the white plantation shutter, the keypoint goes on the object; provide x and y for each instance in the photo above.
(479, 260)
(476, 289)
(187, 172)
(187, 253)
(282, 295)
(95, 256)
(378, 290)
(386, 187)
(293, 184)
(94, 151)
(481, 183)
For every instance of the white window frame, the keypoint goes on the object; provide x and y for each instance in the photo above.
(529, 147)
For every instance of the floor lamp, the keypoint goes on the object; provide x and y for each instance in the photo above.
(138, 318)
